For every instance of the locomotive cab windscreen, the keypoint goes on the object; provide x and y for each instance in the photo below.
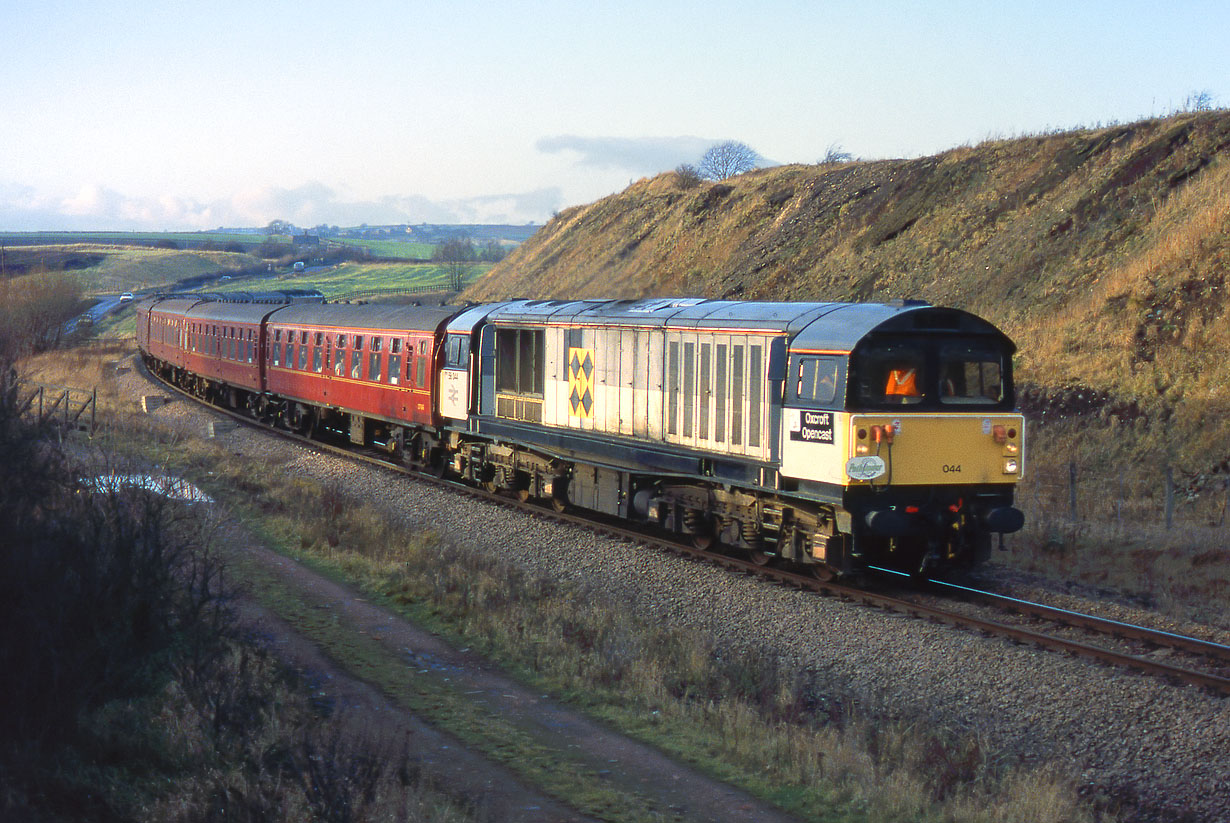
(920, 373)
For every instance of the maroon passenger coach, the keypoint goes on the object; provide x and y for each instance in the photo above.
(368, 370)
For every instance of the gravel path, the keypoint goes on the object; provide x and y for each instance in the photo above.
(1165, 749)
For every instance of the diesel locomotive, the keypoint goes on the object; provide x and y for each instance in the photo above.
(837, 436)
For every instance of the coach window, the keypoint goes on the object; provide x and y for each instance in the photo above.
(519, 360)
(251, 346)
(373, 360)
(303, 354)
(276, 350)
(356, 362)
(339, 357)
(394, 368)
(317, 363)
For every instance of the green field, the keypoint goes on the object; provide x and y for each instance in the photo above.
(121, 238)
(386, 249)
(389, 248)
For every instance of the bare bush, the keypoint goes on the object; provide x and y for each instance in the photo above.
(687, 176)
(1200, 100)
(835, 155)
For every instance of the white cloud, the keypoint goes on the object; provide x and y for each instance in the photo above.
(95, 207)
(636, 155)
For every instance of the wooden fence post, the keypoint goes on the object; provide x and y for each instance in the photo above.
(1072, 489)
(1169, 497)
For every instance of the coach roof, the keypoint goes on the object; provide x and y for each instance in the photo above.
(374, 316)
(215, 312)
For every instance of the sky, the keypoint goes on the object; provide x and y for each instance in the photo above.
(183, 115)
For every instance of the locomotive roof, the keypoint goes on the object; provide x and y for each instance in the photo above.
(843, 325)
(834, 327)
(669, 312)
(368, 315)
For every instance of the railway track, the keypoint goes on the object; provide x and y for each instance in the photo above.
(1214, 658)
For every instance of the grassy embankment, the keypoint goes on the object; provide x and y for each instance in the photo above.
(733, 712)
(112, 269)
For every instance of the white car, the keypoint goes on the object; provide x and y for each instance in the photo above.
(125, 297)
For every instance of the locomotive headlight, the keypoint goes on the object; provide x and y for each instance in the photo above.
(1011, 466)
(1012, 448)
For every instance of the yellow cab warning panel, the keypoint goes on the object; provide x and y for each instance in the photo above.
(950, 449)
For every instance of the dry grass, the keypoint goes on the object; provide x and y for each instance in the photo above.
(1118, 537)
(734, 710)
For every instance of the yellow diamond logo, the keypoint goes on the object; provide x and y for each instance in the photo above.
(581, 383)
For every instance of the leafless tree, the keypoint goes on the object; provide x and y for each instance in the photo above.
(728, 159)
(457, 253)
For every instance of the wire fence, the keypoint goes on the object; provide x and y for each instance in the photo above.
(1158, 497)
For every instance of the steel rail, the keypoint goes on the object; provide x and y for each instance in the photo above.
(1105, 625)
(794, 579)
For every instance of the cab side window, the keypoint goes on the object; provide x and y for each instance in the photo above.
(813, 380)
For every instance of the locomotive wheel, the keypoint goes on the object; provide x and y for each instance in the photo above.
(823, 572)
(523, 495)
(487, 486)
(702, 541)
(759, 558)
(559, 504)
